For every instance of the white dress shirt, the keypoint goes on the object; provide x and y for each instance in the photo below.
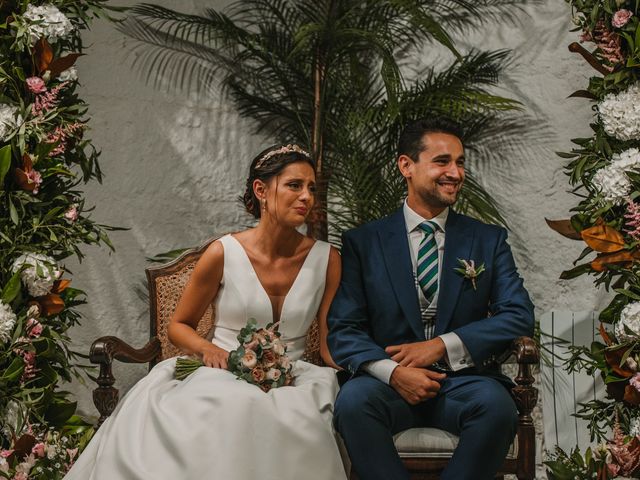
(457, 356)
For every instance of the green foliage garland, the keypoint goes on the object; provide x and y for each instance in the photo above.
(604, 170)
(44, 156)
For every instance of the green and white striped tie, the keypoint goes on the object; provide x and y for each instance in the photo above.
(427, 264)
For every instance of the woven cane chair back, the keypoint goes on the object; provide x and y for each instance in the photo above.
(166, 284)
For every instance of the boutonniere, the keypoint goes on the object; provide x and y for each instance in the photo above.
(468, 270)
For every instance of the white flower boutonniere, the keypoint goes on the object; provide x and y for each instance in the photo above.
(468, 270)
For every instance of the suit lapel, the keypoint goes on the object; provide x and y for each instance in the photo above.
(395, 248)
(457, 245)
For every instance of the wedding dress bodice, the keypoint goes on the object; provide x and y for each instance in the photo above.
(242, 296)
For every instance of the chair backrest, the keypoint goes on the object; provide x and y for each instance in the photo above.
(166, 284)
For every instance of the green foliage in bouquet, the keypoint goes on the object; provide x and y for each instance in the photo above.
(604, 170)
(45, 155)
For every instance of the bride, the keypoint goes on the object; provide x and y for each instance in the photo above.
(212, 425)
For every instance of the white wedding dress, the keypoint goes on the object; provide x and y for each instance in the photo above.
(214, 426)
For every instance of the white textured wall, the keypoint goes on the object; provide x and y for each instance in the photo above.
(174, 166)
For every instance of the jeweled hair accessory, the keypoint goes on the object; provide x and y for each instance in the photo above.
(291, 148)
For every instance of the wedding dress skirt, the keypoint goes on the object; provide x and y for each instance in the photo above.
(214, 426)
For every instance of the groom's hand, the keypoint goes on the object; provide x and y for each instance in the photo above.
(416, 385)
(418, 354)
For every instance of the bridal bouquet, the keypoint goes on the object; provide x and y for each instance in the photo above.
(261, 358)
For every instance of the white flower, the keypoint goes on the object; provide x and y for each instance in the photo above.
(47, 21)
(7, 322)
(40, 273)
(69, 75)
(634, 427)
(630, 318)
(273, 374)
(612, 181)
(9, 120)
(278, 347)
(249, 359)
(4, 465)
(620, 114)
(11, 418)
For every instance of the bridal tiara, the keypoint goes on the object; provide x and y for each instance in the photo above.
(290, 148)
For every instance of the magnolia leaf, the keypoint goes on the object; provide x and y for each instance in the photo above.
(43, 55)
(583, 94)
(564, 228)
(613, 358)
(631, 395)
(5, 163)
(11, 289)
(59, 65)
(603, 238)
(601, 261)
(22, 447)
(605, 336)
(50, 304)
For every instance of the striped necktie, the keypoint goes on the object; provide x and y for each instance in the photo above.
(427, 264)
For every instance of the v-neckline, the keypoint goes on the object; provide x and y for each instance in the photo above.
(291, 287)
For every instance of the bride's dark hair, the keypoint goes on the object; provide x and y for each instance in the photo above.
(266, 165)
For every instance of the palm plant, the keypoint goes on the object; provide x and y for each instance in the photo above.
(332, 75)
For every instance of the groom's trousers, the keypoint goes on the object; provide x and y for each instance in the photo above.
(478, 409)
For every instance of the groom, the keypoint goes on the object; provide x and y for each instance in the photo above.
(418, 336)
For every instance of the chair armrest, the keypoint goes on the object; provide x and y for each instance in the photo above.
(103, 351)
(524, 349)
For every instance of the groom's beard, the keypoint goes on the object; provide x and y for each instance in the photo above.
(438, 199)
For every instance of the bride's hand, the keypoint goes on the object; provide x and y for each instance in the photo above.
(214, 356)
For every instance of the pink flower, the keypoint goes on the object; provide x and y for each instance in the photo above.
(38, 449)
(47, 100)
(632, 220)
(257, 374)
(6, 453)
(36, 85)
(21, 476)
(61, 135)
(284, 362)
(34, 177)
(268, 358)
(72, 452)
(621, 18)
(72, 213)
(635, 381)
(34, 327)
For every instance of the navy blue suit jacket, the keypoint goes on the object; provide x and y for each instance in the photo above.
(377, 303)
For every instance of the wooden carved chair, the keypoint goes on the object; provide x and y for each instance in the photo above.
(424, 451)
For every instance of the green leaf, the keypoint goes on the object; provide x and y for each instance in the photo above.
(12, 288)
(13, 371)
(60, 411)
(5, 163)
(576, 271)
(13, 213)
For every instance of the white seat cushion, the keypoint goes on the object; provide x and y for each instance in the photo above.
(433, 443)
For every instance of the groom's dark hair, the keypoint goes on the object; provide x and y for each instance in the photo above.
(410, 141)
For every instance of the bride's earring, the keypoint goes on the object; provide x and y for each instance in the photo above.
(263, 203)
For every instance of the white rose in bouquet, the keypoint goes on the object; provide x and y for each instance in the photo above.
(629, 318)
(39, 272)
